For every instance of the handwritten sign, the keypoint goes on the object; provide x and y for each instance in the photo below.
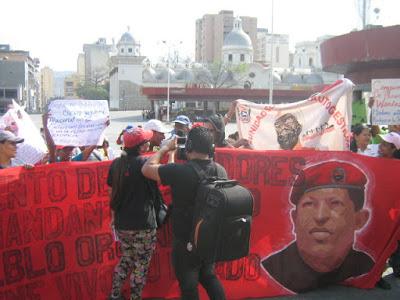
(77, 122)
(386, 108)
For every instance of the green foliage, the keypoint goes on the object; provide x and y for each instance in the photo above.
(91, 92)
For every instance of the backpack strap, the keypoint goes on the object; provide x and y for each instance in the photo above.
(203, 174)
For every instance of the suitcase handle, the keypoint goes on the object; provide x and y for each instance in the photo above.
(225, 183)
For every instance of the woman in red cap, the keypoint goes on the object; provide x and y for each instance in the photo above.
(133, 213)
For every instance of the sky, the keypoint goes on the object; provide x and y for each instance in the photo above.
(55, 30)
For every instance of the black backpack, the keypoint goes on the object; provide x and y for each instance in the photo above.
(222, 218)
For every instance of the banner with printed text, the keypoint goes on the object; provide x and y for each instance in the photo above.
(56, 242)
(321, 122)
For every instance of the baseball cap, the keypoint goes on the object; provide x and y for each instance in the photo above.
(182, 119)
(393, 138)
(136, 136)
(328, 175)
(155, 125)
(6, 135)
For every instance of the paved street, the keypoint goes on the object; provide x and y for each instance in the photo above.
(121, 119)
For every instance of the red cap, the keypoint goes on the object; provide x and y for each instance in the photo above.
(136, 136)
(328, 174)
(198, 124)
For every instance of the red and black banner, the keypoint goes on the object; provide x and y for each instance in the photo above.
(56, 243)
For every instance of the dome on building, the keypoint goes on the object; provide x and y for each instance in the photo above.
(127, 46)
(127, 38)
(237, 37)
(185, 75)
(148, 74)
(162, 75)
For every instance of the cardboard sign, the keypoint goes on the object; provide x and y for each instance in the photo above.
(386, 108)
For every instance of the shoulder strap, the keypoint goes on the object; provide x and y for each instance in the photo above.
(203, 174)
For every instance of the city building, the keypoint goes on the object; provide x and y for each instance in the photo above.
(47, 85)
(237, 47)
(80, 66)
(19, 78)
(280, 49)
(59, 78)
(307, 65)
(71, 84)
(372, 53)
(211, 31)
(96, 57)
(126, 76)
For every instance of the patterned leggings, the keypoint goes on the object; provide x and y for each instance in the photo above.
(137, 247)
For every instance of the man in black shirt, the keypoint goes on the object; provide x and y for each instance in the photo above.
(183, 180)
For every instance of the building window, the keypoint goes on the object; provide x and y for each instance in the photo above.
(130, 50)
(10, 93)
(122, 50)
(230, 57)
(300, 62)
(310, 62)
(241, 57)
(277, 54)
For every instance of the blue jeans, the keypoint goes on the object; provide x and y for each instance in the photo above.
(190, 271)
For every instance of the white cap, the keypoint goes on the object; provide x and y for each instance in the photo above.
(393, 138)
(155, 125)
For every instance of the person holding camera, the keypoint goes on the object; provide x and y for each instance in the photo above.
(190, 270)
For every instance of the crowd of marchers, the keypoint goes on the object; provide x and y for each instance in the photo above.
(134, 176)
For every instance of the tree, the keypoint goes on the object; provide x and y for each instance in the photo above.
(219, 75)
(91, 92)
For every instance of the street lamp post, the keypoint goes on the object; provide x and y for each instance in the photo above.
(271, 82)
(168, 77)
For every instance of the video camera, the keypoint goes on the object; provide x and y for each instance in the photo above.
(181, 145)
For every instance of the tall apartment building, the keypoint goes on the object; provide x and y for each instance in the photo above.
(211, 31)
(47, 85)
(97, 57)
(19, 78)
(71, 84)
(80, 66)
(280, 49)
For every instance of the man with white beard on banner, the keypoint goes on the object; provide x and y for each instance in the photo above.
(321, 122)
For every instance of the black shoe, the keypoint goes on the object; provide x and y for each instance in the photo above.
(383, 284)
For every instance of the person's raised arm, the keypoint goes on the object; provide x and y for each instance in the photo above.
(228, 116)
(150, 167)
(49, 140)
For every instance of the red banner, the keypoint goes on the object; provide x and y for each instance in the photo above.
(55, 240)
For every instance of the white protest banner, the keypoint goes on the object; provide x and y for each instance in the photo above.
(34, 148)
(321, 122)
(77, 122)
(386, 108)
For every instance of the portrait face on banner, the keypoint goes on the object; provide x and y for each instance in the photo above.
(288, 130)
(325, 221)
(328, 210)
